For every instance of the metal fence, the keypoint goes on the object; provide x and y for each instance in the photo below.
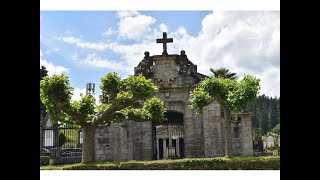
(60, 145)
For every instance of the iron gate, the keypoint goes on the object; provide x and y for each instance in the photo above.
(63, 144)
(168, 139)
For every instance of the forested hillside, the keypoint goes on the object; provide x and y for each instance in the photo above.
(266, 114)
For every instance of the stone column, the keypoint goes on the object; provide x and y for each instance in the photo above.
(177, 146)
(213, 139)
(165, 148)
(158, 156)
(246, 135)
(189, 140)
(146, 137)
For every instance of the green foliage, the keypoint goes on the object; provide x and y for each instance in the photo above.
(118, 97)
(257, 134)
(131, 113)
(276, 129)
(246, 91)
(223, 73)
(266, 113)
(232, 93)
(123, 97)
(56, 89)
(156, 109)
(55, 94)
(153, 109)
(43, 73)
(85, 108)
(217, 163)
(110, 83)
(102, 107)
(139, 86)
(199, 99)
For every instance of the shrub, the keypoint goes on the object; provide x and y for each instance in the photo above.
(62, 139)
(237, 163)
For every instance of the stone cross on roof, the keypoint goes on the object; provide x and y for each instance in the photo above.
(164, 41)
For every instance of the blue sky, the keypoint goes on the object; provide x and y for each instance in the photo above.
(85, 45)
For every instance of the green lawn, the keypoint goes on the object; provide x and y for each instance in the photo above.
(217, 163)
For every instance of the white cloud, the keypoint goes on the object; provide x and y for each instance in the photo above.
(244, 42)
(52, 69)
(94, 61)
(51, 50)
(123, 14)
(74, 56)
(108, 32)
(77, 92)
(78, 42)
(71, 40)
(131, 54)
(163, 27)
(270, 82)
(133, 25)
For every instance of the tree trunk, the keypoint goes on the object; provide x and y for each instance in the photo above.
(88, 154)
(229, 152)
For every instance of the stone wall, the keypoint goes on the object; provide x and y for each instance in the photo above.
(194, 134)
(124, 141)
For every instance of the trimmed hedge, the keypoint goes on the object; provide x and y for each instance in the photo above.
(44, 160)
(221, 163)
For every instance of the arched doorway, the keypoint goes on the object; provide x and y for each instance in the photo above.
(168, 137)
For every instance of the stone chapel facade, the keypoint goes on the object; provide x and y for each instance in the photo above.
(186, 133)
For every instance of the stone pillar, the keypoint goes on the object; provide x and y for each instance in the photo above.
(177, 146)
(147, 151)
(213, 139)
(158, 155)
(246, 134)
(189, 140)
(165, 148)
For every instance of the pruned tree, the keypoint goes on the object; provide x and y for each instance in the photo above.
(118, 99)
(232, 95)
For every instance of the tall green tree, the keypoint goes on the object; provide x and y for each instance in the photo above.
(223, 73)
(266, 113)
(276, 129)
(43, 73)
(232, 95)
(119, 96)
